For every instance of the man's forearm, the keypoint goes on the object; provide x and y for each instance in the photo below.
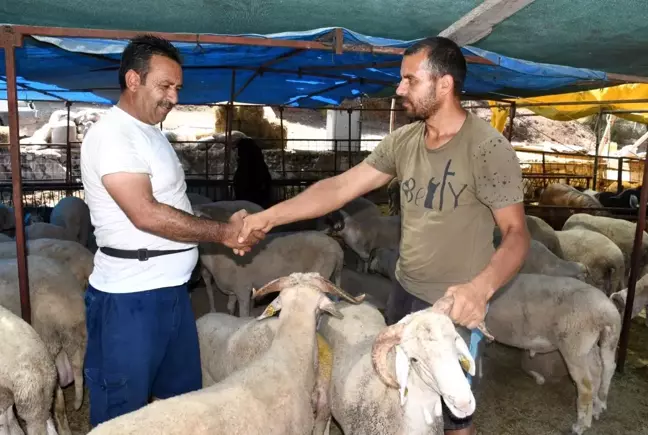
(180, 226)
(505, 262)
(319, 199)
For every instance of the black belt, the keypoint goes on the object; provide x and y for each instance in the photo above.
(140, 254)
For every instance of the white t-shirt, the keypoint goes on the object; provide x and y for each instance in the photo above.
(120, 143)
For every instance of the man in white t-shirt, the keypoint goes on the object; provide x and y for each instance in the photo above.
(142, 338)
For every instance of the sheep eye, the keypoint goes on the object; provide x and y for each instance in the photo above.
(414, 360)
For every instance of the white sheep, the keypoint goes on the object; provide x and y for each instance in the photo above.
(271, 395)
(423, 350)
(43, 230)
(73, 214)
(383, 261)
(602, 257)
(77, 258)
(544, 233)
(543, 313)
(28, 379)
(375, 287)
(542, 261)
(640, 299)
(229, 343)
(57, 310)
(277, 255)
(620, 231)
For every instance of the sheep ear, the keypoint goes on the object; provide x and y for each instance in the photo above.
(465, 358)
(329, 306)
(273, 308)
(618, 300)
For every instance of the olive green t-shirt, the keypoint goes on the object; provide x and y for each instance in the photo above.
(446, 198)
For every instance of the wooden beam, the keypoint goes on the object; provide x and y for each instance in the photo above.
(479, 22)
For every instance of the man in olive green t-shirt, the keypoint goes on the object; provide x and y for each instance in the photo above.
(458, 178)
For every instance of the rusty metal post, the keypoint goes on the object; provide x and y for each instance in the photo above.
(634, 273)
(349, 111)
(511, 117)
(620, 175)
(392, 117)
(283, 147)
(68, 151)
(597, 128)
(9, 42)
(228, 134)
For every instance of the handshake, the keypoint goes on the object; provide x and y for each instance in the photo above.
(245, 230)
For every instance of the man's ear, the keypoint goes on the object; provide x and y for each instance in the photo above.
(133, 79)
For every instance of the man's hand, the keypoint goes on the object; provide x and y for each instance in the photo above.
(254, 224)
(469, 307)
(232, 231)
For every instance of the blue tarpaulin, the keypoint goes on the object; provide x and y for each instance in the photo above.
(85, 70)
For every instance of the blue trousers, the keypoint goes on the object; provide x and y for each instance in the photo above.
(140, 344)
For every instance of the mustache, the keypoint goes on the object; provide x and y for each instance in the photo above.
(166, 104)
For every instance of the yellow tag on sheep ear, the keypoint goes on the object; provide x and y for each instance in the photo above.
(465, 363)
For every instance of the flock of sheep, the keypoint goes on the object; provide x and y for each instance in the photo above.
(329, 353)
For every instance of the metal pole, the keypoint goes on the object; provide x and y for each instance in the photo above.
(349, 111)
(620, 175)
(228, 133)
(634, 273)
(392, 117)
(10, 42)
(597, 128)
(512, 117)
(68, 151)
(283, 150)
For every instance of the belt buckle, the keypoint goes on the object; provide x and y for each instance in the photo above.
(142, 254)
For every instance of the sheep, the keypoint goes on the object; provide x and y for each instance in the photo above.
(627, 200)
(640, 298)
(377, 288)
(603, 259)
(196, 199)
(73, 214)
(543, 313)
(43, 230)
(5, 238)
(7, 218)
(28, 378)
(544, 233)
(277, 255)
(270, 395)
(427, 355)
(568, 196)
(229, 343)
(363, 233)
(73, 255)
(620, 231)
(383, 261)
(541, 260)
(223, 210)
(57, 310)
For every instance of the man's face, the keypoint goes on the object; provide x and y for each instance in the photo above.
(418, 87)
(158, 94)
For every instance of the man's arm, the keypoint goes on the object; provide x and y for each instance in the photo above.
(322, 197)
(511, 253)
(134, 195)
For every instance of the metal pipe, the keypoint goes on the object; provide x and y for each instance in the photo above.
(634, 273)
(10, 42)
(68, 150)
(620, 175)
(283, 146)
(392, 115)
(228, 133)
(597, 128)
(512, 117)
(350, 156)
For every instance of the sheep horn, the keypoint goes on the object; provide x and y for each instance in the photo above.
(444, 305)
(384, 342)
(273, 286)
(330, 288)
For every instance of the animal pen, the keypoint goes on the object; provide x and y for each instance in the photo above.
(335, 43)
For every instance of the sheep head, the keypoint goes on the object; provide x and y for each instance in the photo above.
(619, 298)
(312, 281)
(428, 343)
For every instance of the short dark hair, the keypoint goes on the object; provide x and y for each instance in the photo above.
(138, 53)
(443, 57)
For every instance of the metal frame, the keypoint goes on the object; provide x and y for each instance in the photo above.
(11, 38)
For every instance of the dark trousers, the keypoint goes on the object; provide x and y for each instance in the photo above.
(140, 345)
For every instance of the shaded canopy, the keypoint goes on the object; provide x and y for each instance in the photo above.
(85, 70)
